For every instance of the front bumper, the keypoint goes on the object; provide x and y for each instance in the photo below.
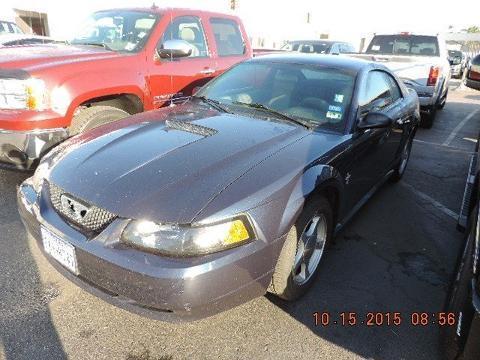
(168, 289)
(21, 149)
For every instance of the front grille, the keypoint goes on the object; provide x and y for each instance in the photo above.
(96, 219)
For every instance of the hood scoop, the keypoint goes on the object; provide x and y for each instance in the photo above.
(190, 128)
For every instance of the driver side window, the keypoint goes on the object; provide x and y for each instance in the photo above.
(376, 94)
(190, 30)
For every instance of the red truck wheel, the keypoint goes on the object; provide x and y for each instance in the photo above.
(92, 117)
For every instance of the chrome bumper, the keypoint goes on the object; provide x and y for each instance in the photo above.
(20, 149)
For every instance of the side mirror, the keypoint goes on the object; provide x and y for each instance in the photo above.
(172, 49)
(375, 120)
(380, 103)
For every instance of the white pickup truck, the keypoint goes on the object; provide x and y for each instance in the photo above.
(421, 61)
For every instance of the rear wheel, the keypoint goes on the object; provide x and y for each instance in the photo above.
(303, 250)
(402, 166)
(92, 117)
(443, 101)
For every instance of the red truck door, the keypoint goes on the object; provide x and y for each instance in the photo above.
(231, 44)
(177, 78)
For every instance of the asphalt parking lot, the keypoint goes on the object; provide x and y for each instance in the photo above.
(396, 255)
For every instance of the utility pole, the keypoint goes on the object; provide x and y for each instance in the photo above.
(233, 4)
(308, 18)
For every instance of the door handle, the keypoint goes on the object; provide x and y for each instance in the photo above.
(207, 71)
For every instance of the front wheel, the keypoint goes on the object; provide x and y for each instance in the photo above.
(303, 250)
(94, 116)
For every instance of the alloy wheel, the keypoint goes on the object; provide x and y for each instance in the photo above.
(310, 249)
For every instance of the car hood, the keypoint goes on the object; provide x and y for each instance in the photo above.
(167, 165)
(33, 58)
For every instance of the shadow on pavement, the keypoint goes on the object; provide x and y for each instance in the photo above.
(26, 327)
(397, 255)
(386, 260)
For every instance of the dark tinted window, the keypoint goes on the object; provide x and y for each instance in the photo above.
(308, 47)
(318, 95)
(404, 45)
(317, 48)
(227, 37)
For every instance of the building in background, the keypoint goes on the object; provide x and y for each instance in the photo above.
(31, 20)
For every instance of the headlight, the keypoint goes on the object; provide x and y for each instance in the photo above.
(177, 240)
(27, 94)
(41, 173)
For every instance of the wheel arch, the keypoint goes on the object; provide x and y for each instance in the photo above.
(319, 180)
(129, 99)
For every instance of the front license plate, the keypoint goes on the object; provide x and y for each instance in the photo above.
(60, 250)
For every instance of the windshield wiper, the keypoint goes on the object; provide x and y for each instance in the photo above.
(213, 103)
(274, 112)
(105, 46)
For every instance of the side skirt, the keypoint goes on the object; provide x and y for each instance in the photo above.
(362, 202)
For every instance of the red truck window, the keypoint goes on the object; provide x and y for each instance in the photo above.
(227, 37)
(189, 29)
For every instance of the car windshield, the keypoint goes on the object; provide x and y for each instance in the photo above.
(121, 30)
(8, 27)
(404, 45)
(455, 54)
(317, 96)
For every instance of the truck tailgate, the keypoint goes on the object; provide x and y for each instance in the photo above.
(411, 69)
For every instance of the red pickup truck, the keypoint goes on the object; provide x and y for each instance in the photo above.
(123, 62)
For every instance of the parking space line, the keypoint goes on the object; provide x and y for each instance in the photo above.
(432, 201)
(449, 148)
(459, 126)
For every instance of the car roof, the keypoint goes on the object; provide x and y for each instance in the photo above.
(334, 61)
(316, 42)
(164, 9)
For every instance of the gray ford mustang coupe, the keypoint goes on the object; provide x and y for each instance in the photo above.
(189, 210)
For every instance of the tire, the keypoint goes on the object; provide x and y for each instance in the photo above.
(94, 116)
(429, 118)
(402, 165)
(443, 101)
(458, 300)
(287, 281)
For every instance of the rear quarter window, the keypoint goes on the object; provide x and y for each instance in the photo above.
(228, 37)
